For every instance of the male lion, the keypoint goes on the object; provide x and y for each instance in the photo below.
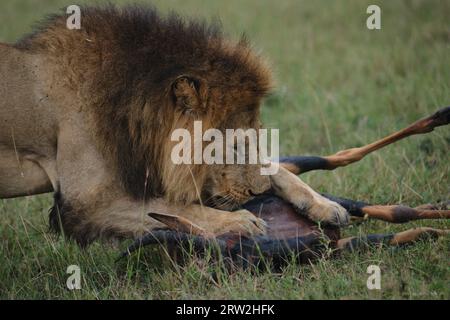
(88, 114)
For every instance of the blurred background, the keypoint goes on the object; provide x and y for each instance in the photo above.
(339, 85)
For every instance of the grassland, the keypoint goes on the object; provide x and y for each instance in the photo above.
(338, 85)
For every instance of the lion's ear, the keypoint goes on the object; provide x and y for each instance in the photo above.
(188, 94)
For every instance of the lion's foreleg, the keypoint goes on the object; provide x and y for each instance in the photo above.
(124, 218)
(291, 188)
(88, 221)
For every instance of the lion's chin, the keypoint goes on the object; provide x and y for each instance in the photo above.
(225, 203)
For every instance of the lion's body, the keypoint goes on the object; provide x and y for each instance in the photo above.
(28, 128)
(88, 114)
(79, 118)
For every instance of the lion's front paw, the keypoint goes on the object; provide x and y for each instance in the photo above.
(329, 212)
(242, 222)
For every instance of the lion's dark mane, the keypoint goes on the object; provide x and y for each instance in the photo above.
(122, 63)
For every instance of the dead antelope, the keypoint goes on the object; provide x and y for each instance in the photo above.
(289, 231)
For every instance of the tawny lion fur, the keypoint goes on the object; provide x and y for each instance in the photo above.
(88, 114)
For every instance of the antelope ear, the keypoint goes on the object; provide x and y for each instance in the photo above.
(188, 94)
(180, 224)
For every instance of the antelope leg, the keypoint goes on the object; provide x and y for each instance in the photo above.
(392, 213)
(301, 164)
(395, 239)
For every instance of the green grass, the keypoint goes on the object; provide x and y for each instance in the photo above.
(339, 85)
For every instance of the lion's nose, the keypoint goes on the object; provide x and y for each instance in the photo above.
(258, 190)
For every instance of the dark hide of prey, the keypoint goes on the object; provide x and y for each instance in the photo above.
(290, 234)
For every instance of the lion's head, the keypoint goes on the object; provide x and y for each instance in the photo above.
(225, 95)
(142, 76)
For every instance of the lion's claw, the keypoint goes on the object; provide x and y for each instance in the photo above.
(242, 222)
